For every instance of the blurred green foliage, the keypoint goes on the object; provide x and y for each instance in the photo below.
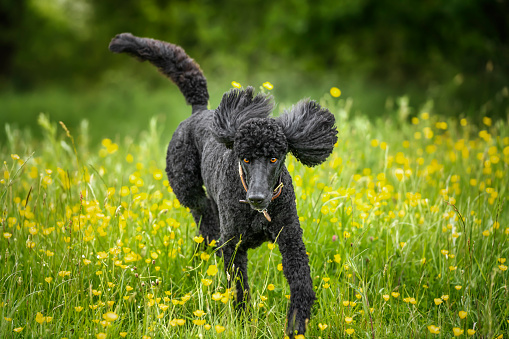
(450, 56)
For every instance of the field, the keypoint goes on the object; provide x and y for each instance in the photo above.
(405, 225)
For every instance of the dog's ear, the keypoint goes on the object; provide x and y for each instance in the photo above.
(236, 107)
(310, 132)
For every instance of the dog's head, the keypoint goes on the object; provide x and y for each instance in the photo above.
(260, 143)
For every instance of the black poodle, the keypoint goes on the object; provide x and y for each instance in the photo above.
(228, 166)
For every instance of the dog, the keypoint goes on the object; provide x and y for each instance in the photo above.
(227, 166)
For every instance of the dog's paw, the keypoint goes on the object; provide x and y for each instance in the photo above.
(296, 326)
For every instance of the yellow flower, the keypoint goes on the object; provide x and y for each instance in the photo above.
(462, 314)
(212, 270)
(322, 326)
(348, 320)
(346, 303)
(471, 331)
(219, 328)
(433, 329)
(40, 318)
(400, 174)
(48, 280)
(101, 335)
(204, 256)
(18, 329)
(349, 331)
(279, 267)
(386, 297)
(236, 84)
(457, 331)
(458, 287)
(158, 174)
(502, 267)
(110, 316)
(206, 282)
(217, 296)
(181, 322)
(7, 235)
(395, 294)
(337, 258)
(438, 301)
(198, 240)
(270, 287)
(199, 313)
(335, 92)
(123, 334)
(102, 255)
(268, 85)
(129, 288)
(78, 308)
(486, 233)
(199, 322)
(207, 327)
(445, 297)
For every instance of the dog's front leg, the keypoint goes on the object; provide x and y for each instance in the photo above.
(297, 273)
(235, 263)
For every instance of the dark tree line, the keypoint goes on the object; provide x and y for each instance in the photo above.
(393, 42)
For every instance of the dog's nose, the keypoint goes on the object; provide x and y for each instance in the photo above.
(256, 199)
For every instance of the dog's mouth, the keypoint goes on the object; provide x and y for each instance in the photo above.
(260, 207)
(257, 206)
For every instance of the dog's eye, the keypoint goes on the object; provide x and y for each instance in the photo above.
(273, 160)
(246, 160)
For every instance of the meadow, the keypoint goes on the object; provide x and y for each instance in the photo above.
(405, 225)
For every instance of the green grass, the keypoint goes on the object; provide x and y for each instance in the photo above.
(81, 221)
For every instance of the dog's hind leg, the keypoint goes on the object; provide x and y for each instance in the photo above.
(184, 175)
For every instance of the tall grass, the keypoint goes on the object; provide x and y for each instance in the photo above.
(405, 226)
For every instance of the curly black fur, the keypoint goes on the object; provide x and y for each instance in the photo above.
(258, 138)
(207, 149)
(236, 107)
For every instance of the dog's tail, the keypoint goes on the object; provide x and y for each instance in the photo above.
(171, 60)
